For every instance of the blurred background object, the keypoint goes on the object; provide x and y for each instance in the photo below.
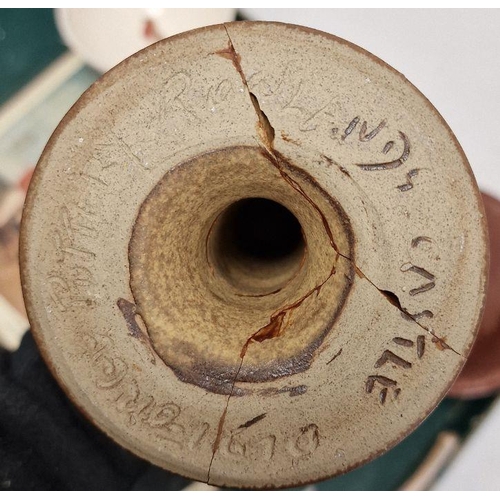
(476, 465)
(451, 56)
(104, 37)
(480, 376)
(13, 320)
(29, 42)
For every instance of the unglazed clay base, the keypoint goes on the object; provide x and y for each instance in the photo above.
(254, 254)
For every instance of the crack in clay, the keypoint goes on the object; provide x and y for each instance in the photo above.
(274, 329)
(391, 296)
(393, 299)
(276, 159)
(266, 135)
(222, 419)
(264, 129)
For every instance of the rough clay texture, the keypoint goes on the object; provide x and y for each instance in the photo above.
(370, 141)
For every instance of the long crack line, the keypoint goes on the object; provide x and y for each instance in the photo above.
(265, 141)
(222, 419)
(275, 158)
(229, 53)
(393, 299)
(266, 135)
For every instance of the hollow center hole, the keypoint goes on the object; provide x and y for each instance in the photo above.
(258, 245)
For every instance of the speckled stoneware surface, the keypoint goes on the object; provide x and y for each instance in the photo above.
(226, 364)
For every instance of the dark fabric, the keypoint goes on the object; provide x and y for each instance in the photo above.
(45, 444)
